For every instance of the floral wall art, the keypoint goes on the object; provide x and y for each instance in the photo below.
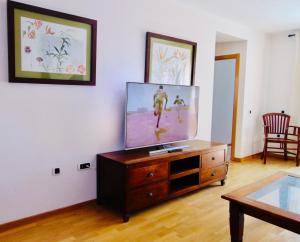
(169, 60)
(53, 48)
(50, 47)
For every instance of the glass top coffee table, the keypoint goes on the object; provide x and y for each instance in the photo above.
(275, 199)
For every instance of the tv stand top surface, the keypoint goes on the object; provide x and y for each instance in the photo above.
(196, 147)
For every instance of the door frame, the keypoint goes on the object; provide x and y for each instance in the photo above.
(235, 98)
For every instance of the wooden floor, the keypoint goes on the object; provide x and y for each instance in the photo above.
(201, 216)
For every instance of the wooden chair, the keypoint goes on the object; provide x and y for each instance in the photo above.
(277, 130)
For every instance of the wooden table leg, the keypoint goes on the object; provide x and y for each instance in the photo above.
(126, 217)
(236, 223)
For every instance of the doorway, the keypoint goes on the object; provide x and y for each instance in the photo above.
(225, 101)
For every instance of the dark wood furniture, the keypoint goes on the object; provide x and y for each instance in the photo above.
(132, 180)
(277, 130)
(273, 200)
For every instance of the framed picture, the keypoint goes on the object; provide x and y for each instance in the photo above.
(169, 60)
(50, 47)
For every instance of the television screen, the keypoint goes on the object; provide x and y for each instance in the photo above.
(160, 114)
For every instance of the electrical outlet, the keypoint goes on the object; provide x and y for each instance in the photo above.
(83, 166)
(55, 171)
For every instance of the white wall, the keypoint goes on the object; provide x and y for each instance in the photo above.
(44, 126)
(282, 85)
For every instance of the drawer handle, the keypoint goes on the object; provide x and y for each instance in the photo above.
(150, 194)
(213, 174)
(151, 174)
(212, 158)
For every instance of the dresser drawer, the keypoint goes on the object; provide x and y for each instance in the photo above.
(147, 174)
(213, 159)
(146, 196)
(213, 173)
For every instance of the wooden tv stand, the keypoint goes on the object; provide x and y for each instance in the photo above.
(132, 180)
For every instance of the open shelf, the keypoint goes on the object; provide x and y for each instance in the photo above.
(184, 173)
(186, 164)
(184, 182)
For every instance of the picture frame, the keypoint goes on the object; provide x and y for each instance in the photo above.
(169, 60)
(50, 47)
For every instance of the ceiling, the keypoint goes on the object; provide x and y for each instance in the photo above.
(265, 15)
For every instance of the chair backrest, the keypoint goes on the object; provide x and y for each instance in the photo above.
(277, 123)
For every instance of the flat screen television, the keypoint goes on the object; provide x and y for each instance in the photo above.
(160, 114)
